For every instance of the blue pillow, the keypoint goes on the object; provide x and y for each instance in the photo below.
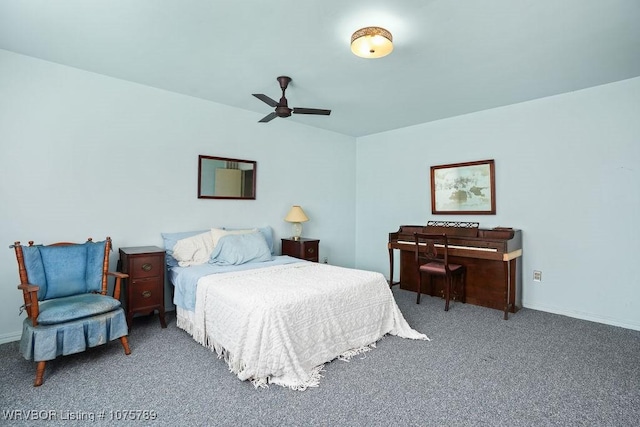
(267, 232)
(75, 307)
(65, 268)
(170, 240)
(95, 260)
(35, 269)
(236, 249)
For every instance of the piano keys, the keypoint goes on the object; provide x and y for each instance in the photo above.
(492, 257)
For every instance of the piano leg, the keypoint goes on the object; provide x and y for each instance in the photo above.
(507, 287)
(391, 282)
(458, 287)
(390, 267)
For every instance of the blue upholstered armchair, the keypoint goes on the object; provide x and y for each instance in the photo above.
(65, 296)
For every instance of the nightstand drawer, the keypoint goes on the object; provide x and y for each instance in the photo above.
(303, 248)
(311, 253)
(146, 292)
(146, 266)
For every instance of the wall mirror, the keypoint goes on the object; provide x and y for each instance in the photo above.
(222, 178)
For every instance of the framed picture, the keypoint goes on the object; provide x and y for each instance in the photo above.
(464, 188)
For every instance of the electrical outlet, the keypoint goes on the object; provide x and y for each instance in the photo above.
(537, 276)
(325, 260)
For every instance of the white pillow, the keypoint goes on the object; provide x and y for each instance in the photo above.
(217, 233)
(194, 250)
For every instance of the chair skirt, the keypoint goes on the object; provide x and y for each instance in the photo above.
(46, 342)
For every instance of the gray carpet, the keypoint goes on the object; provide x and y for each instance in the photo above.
(534, 369)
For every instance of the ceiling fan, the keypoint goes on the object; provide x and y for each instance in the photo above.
(282, 109)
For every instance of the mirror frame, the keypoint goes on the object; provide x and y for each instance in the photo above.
(254, 164)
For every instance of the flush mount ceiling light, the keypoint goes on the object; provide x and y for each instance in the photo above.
(371, 42)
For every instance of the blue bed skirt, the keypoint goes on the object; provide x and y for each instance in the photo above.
(46, 342)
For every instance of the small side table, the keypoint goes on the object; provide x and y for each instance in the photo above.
(302, 248)
(144, 289)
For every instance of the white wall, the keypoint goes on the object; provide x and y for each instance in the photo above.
(87, 155)
(567, 174)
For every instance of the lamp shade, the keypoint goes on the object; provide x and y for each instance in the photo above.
(371, 42)
(296, 214)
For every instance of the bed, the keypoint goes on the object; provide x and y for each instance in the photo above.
(280, 319)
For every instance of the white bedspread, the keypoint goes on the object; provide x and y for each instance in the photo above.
(280, 324)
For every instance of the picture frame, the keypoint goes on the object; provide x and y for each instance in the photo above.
(225, 178)
(464, 188)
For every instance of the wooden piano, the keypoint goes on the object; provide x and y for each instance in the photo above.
(492, 257)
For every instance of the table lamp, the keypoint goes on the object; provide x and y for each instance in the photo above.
(296, 216)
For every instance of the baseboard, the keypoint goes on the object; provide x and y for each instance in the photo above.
(585, 316)
(10, 337)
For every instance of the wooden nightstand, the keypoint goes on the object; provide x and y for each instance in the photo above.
(306, 249)
(144, 289)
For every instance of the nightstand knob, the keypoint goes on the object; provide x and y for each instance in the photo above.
(310, 250)
(146, 267)
(146, 294)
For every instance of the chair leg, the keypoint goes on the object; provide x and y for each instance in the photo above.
(42, 364)
(419, 287)
(447, 293)
(39, 373)
(463, 288)
(125, 344)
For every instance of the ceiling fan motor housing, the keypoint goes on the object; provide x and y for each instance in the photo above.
(283, 110)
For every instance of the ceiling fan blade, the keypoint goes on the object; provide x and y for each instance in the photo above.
(265, 99)
(268, 118)
(311, 111)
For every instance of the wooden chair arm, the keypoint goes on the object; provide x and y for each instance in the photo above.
(27, 287)
(119, 276)
(30, 294)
